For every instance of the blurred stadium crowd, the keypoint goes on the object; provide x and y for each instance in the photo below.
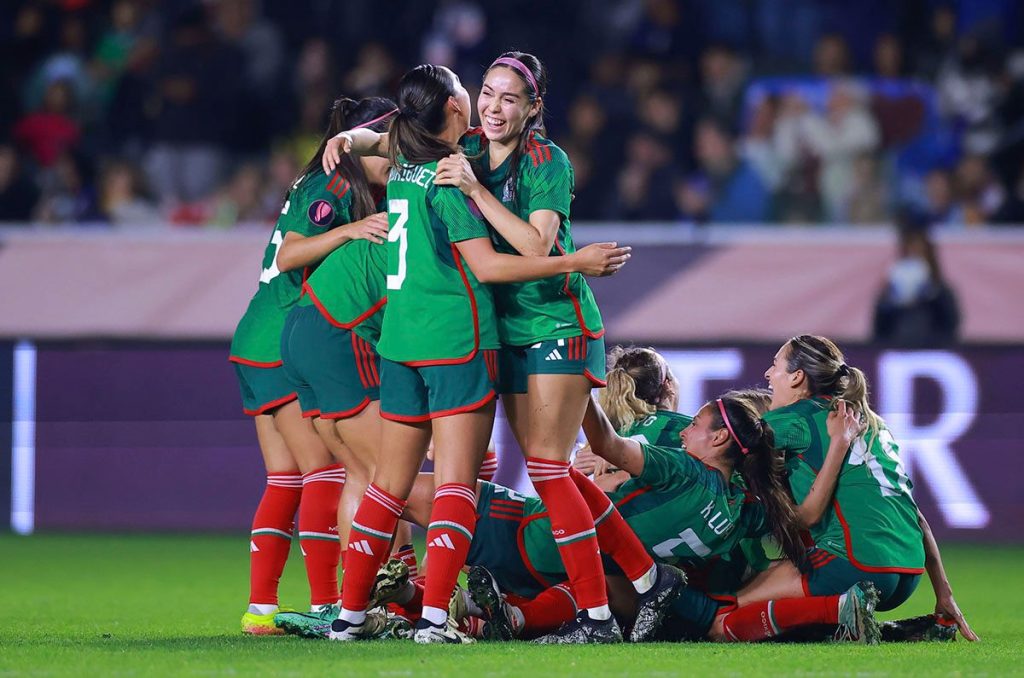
(140, 112)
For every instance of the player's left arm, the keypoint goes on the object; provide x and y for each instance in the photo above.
(945, 605)
(844, 425)
(534, 238)
(622, 453)
(298, 250)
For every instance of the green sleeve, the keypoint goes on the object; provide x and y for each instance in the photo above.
(667, 468)
(452, 207)
(472, 141)
(317, 210)
(550, 184)
(792, 435)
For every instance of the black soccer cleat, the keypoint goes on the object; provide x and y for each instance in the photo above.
(484, 591)
(584, 631)
(652, 605)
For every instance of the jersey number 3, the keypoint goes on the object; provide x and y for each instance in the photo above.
(400, 234)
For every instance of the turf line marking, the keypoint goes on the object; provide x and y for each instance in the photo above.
(23, 439)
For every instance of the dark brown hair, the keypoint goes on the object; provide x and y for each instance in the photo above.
(415, 131)
(345, 114)
(763, 468)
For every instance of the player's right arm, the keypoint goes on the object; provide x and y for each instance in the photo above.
(298, 250)
(622, 453)
(844, 425)
(945, 605)
(489, 266)
(361, 141)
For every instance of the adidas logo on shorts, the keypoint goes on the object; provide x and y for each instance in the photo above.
(442, 542)
(554, 355)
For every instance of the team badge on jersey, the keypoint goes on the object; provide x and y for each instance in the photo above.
(321, 213)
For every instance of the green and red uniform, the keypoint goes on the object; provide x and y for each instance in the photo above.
(661, 429)
(315, 204)
(871, 528)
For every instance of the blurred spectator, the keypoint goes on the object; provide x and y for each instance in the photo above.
(197, 87)
(723, 78)
(979, 194)
(831, 56)
(868, 199)
(110, 58)
(939, 44)
(123, 200)
(51, 130)
(1012, 210)
(939, 207)
(241, 200)
(916, 308)
(282, 173)
(374, 73)
(758, 145)
(968, 91)
(68, 194)
(456, 40)
(644, 184)
(727, 188)
(835, 139)
(68, 64)
(888, 57)
(18, 195)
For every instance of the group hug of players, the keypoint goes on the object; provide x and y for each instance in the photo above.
(419, 270)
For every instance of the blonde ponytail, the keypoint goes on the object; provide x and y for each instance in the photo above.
(619, 400)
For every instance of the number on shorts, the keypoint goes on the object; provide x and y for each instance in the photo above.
(399, 233)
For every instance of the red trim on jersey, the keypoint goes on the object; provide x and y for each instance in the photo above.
(631, 496)
(360, 365)
(805, 585)
(576, 302)
(266, 407)
(309, 414)
(476, 323)
(521, 544)
(253, 363)
(347, 413)
(326, 314)
(491, 360)
(371, 364)
(726, 603)
(416, 418)
(849, 550)
(600, 383)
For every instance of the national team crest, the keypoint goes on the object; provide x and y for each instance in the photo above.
(321, 213)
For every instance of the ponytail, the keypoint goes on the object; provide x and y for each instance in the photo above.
(415, 131)
(345, 114)
(637, 386)
(763, 468)
(827, 374)
(619, 401)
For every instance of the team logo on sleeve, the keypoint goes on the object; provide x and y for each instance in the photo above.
(321, 213)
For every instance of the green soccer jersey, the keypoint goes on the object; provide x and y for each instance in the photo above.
(683, 512)
(872, 520)
(661, 429)
(315, 204)
(348, 288)
(437, 311)
(551, 308)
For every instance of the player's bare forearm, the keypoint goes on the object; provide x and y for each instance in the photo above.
(522, 235)
(492, 267)
(622, 453)
(367, 142)
(814, 504)
(299, 251)
(933, 559)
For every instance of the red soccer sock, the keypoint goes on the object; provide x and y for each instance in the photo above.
(407, 554)
(318, 531)
(271, 536)
(368, 545)
(573, 529)
(759, 621)
(549, 610)
(489, 467)
(412, 608)
(449, 534)
(614, 535)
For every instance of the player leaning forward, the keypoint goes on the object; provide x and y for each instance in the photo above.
(438, 348)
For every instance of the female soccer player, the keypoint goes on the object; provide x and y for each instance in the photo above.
(438, 344)
(871, 531)
(301, 472)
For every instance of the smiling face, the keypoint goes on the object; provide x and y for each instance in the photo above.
(701, 439)
(786, 387)
(504, 105)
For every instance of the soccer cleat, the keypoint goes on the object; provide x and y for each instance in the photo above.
(484, 591)
(926, 628)
(427, 633)
(375, 625)
(307, 625)
(457, 607)
(397, 627)
(255, 624)
(652, 605)
(392, 579)
(856, 615)
(584, 630)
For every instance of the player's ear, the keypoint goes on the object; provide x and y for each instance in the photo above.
(796, 379)
(454, 104)
(536, 106)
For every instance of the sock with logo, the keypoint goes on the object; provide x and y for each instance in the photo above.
(449, 534)
(271, 536)
(368, 545)
(760, 621)
(318, 531)
(573, 529)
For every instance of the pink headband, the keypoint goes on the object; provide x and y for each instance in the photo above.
(520, 68)
(725, 418)
(376, 120)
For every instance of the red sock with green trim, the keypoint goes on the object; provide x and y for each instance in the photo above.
(318, 531)
(760, 621)
(369, 544)
(271, 536)
(452, 522)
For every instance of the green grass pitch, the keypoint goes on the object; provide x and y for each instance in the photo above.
(169, 605)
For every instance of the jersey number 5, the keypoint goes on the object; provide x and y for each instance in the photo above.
(400, 234)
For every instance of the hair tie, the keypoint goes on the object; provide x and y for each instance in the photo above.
(519, 67)
(409, 112)
(377, 119)
(844, 370)
(728, 425)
